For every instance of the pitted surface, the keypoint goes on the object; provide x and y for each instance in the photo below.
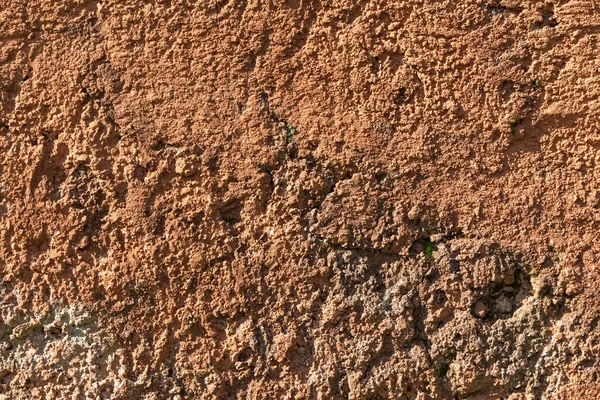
(325, 199)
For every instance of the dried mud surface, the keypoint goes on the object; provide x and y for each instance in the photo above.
(326, 199)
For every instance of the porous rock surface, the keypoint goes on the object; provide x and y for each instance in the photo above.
(299, 199)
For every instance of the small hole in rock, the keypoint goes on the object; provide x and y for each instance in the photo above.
(244, 355)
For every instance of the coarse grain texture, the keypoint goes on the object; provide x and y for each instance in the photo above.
(299, 199)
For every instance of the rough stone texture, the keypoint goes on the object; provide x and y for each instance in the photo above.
(300, 199)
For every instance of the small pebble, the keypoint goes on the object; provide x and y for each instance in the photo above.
(413, 214)
(185, 167)
(480, 309)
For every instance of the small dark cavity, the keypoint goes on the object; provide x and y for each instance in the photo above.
(86, 92)
(121, 192)
(498, 9)
(271, 180)
(548, 19)
(230, 212)
(53, 332)
(158, 145)
(506, 89)
(440, 298)
(292, 152)
(494, 9)
(380, 176)
(159, 227)
(443, 370)
(139, 173)
(515, 125)
(240, 107)
(264, 98)
(424, 246)
(6, 377)
(251, 62)
(244, 355)
(80, 171)
(375, 66)
(400, 97)
(500, 295)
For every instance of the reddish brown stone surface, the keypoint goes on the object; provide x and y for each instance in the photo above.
(325, 199)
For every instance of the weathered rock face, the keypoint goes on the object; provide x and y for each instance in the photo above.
(299, 199)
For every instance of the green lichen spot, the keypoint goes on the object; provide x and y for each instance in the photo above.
(428, 248)
(289, 130)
